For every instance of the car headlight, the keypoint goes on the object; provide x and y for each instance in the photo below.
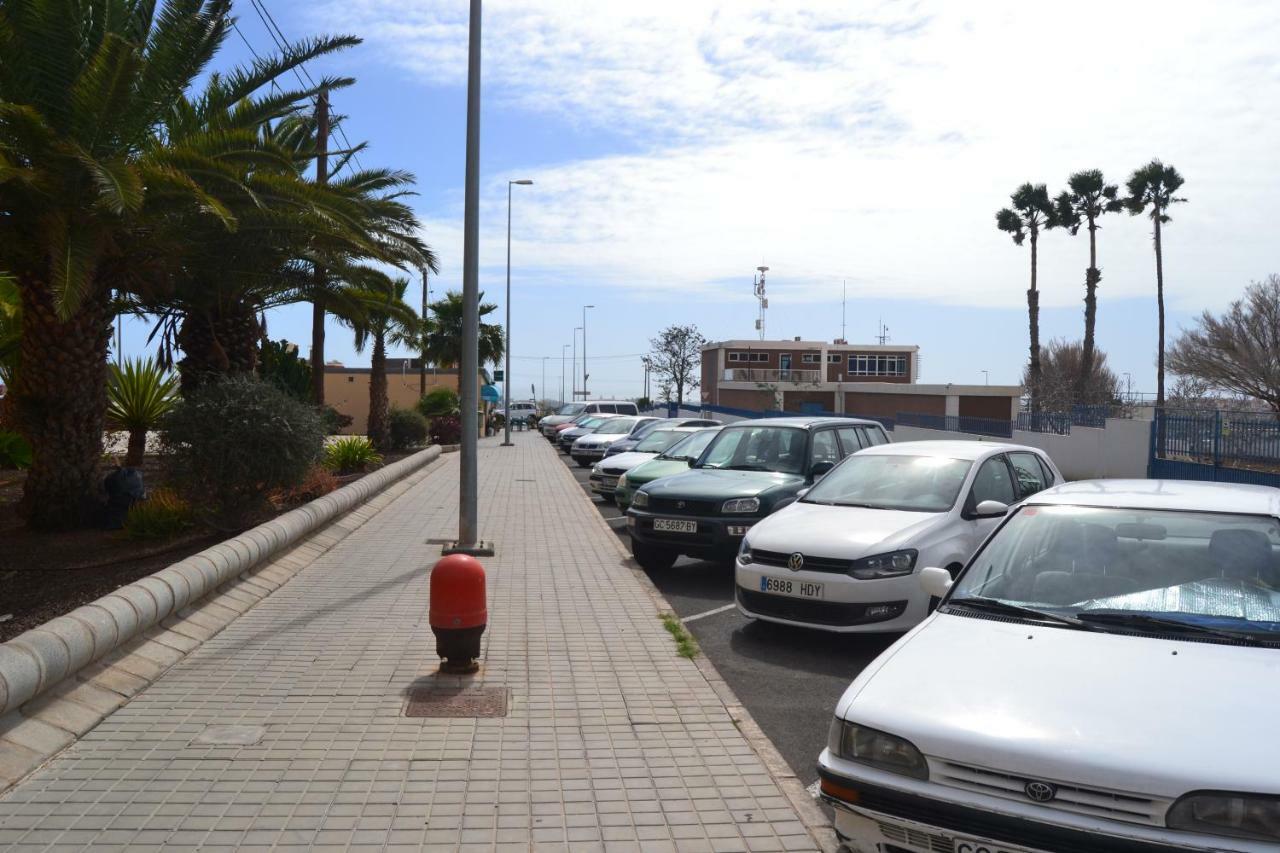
(744, 551)
(622, 480)
(876, 748)
(595, 469)
(741, 505)
(1222, 813)
(891, 565)
(640, 499)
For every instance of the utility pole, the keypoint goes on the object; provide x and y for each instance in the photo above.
(563, 347)
(506, 376)
(469, 367)
(320, 277)
(576, 329)
(758, 286)
(422, 373)
(543, 386)
(584, 350)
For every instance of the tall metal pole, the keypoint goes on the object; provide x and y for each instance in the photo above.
(576, 329)
(506, 376)
(563, 347)
(543, 387)
(469, 364)
(422, 371)
(584, 350)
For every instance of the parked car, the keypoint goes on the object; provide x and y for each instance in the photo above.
(629, 443)
(592, 446)
(674, 460)
(588, 424)
(593, 407)
(519, 409)
(578, 421)
(846, 555)
(605, 473)
(749, 470)
(1102, 676)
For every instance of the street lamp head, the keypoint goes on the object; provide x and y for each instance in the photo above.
(588, 306)
(524, 182)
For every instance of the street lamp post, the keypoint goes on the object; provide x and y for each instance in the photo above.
(563, 347)
(584, 350)
(986, 377)
(542, 389)
(574, 364)
(506, 377)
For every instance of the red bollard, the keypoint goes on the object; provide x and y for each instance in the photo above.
(458, 615)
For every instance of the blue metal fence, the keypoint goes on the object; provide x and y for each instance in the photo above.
(957, 423)
(1225, 447)
(1057, 423)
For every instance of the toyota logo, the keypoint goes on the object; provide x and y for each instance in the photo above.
(1041, 792)
(795, 562)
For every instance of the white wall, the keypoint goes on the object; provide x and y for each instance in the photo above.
(1119, 451)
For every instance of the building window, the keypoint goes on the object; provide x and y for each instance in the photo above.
(835, 358)
(759, 356)
(812, 358)
(737, 356)
(351, 379)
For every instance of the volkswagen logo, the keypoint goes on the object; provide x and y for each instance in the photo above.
(795, 562)
(1041, 792)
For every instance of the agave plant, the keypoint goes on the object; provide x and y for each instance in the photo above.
(139, 394)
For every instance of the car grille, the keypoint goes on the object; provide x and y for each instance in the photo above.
(811, 564)
(916, 838)
(614, 472)
(674, 506)
(816, 612)
(1094, 802)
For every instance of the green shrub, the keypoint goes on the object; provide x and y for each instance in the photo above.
(350, 454)
(437, 402)
(406, 429)
(15, 451)
(232, 443)
(446, 429)
(333, 420)
(162, 515)
(279, 363)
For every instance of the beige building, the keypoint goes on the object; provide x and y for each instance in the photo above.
(347, 388)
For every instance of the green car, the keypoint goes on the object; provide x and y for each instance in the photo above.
(749, 470)
(674, 460)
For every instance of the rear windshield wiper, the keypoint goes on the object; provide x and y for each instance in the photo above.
(995, 605)
(1146, 620)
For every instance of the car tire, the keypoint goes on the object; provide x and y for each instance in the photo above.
(583, 462)
(652, 558)
(607, 498)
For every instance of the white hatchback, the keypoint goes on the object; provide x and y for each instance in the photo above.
(843, 557)
(1101, 677)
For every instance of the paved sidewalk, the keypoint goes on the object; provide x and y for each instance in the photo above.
(611, 741)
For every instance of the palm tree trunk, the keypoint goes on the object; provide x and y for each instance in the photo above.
(137, 448)
(1160, 444)
(1033, 315)
(215, 346)
(317, 352)
(59, 404)
(378, 415)
(1091, 278)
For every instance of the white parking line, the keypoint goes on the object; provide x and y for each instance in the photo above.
(813, 789)
(689, 619)
(622, 519)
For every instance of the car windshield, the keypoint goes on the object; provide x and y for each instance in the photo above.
(691, 448)
(1152, 571)
(656, 442)
(571, 409)
(648, 427)
(889, 481)
(758, 448)
(592, 422)
(616, 426)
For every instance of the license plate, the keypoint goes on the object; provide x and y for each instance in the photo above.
(976, 845)
(791, 586)
(609, 482)
(675, 525)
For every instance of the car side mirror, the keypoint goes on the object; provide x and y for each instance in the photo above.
(990, 509)
(801, 493)
(820, 468)
(935, 582)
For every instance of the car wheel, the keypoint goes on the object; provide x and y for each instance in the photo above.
(607, 498)
(582, 461)
(651, 558)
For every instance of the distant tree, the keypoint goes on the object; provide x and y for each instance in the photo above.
(1239, 351)
(676, 359)
(1062, 365)
(444, 332)
(280, 364)
(381, 317)
(1032, 212)
(1151, 189)
(1087, 200)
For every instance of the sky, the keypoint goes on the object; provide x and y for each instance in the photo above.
(852, 147)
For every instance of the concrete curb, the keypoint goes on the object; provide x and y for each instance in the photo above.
(806, 808)
(39, 659)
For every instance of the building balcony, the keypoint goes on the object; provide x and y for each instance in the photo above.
(770, 376)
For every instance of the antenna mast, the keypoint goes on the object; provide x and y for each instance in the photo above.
(883, 335)
(761, 298)
(844, 294)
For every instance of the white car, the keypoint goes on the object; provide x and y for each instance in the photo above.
(845, 555)
(605, 473)
(1101, 677)
(591, 446)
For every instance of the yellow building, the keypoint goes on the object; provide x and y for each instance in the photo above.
(347, 388)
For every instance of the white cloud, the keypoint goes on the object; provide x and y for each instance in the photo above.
(867, 141)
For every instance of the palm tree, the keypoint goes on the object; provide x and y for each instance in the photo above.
(1088, 198)
(444, 332)
(1153, 187)
(382, 316)
(141, 393)
(86, 176)
(1031, 212)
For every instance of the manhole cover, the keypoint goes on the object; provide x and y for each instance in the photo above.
(231, 735)
(471, 702)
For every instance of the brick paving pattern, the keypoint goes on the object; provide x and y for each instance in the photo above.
(611, 741)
